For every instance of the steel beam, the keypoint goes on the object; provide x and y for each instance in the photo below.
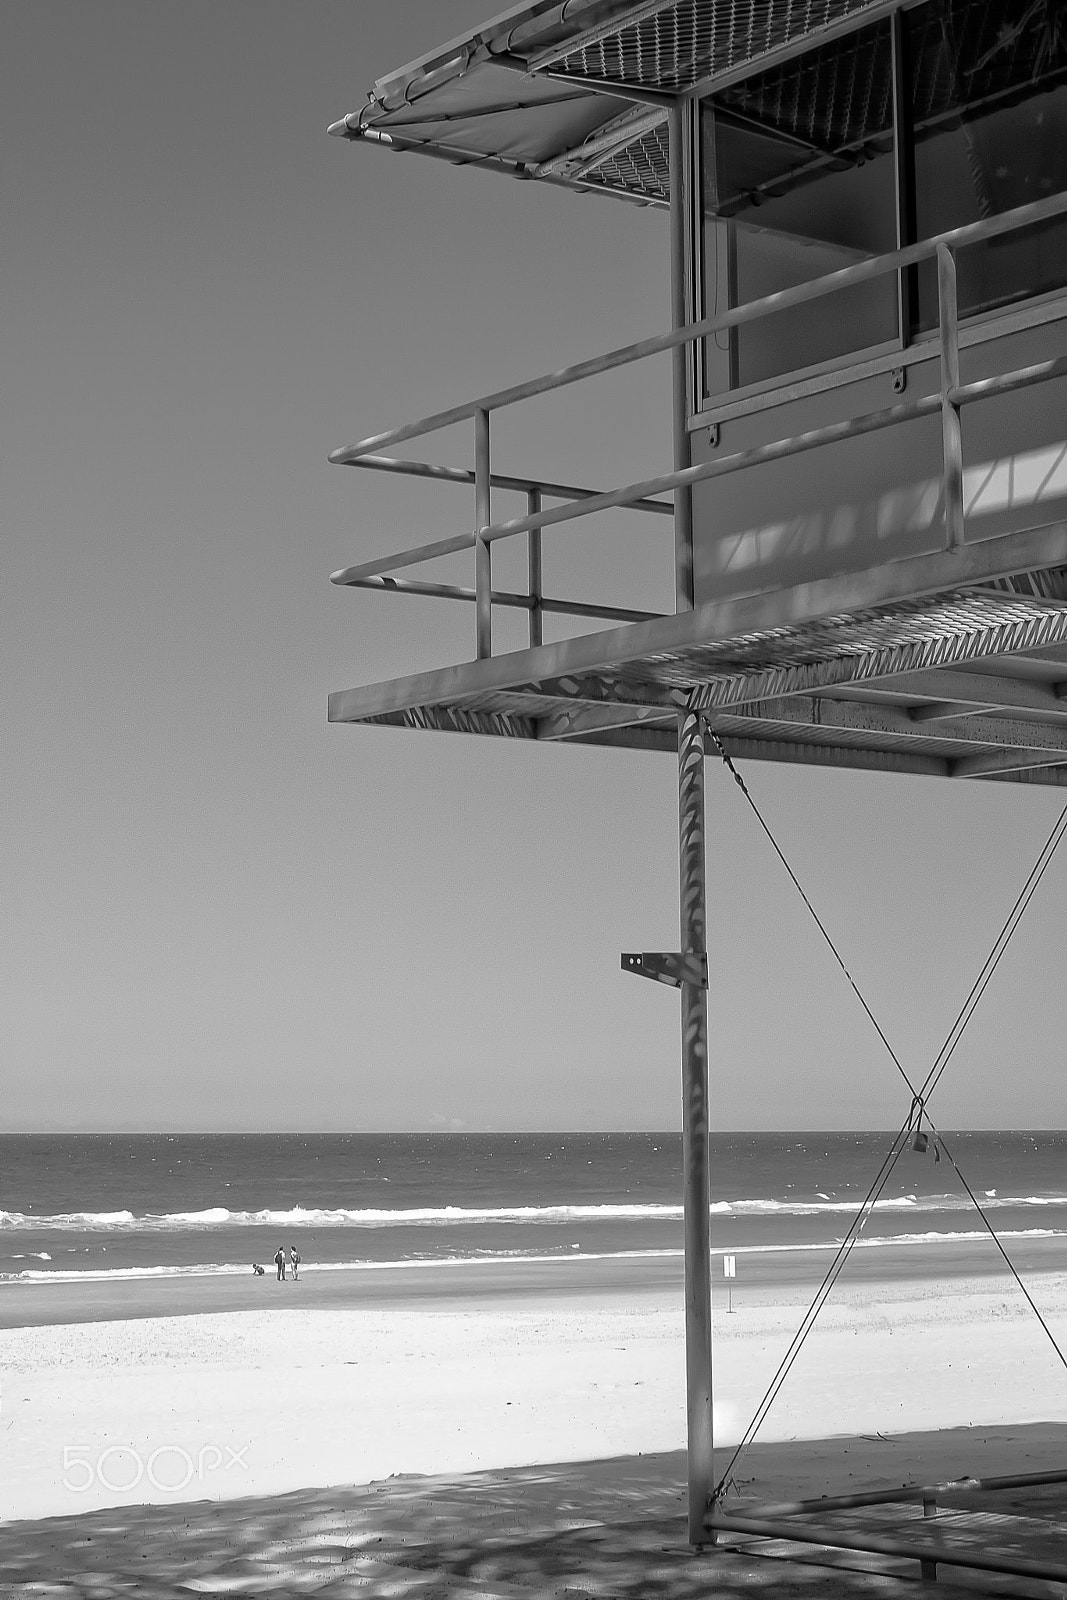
(483, 557)
(574, 722)
(695, 1120)
(822, 714)
(782, 752)
(950, 693)
(940, 710)
(1021, 759)
(977, 690)
(683, 494)
(952, 438)
(533, 571)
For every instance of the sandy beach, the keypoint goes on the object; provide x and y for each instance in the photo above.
(332, 1389)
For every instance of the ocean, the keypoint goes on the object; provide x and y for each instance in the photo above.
(111, 1206)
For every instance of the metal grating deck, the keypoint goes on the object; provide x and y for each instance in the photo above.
(967, 682)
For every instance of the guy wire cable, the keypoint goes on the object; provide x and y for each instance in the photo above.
(997, 1241)
(833, 1272)
(1000, 944)
(776, 847)
(918, 1100)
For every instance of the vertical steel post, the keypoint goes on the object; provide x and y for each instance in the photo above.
(483, 560)
(533, 546)
(695, 1153)
(951, 434)
(683, 498)
(904, 164)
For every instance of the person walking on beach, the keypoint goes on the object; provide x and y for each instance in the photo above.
(279, 1262)
(294, 1261)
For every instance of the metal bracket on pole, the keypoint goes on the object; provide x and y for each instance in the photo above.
(669, 966)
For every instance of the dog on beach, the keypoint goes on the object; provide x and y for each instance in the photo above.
(257, 1269)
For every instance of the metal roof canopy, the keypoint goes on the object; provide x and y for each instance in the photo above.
(561, 92)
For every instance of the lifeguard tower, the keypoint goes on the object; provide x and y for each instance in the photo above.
(866, 203)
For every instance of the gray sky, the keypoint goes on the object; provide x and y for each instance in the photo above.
(219, 912)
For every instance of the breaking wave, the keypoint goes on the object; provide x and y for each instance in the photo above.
(514, 1257)
(467, 1216)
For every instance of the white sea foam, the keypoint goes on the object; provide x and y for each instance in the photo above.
(468, 1216)
(519, 1258)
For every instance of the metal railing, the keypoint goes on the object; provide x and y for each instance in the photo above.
(947, 401)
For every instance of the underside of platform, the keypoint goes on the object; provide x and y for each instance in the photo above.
(896, 669)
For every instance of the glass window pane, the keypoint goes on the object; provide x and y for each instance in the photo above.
(988, 91)
(798, 181)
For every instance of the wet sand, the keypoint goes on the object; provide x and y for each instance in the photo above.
(764, 1277)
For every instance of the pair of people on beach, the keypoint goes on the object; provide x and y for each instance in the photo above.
(294, 1262)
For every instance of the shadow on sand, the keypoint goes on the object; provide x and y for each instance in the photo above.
(604, 1528)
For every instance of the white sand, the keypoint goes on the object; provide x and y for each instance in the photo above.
(218, 1406)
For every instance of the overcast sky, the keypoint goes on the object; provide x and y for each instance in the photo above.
(219, 911)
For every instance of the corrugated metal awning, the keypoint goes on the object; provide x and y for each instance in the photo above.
(547, 91)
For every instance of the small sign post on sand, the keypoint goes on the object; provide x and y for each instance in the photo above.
(729, 1272)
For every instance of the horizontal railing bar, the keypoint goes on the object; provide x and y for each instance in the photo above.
(784, 300)
(621, 497)
(502, 597)
(831, 433)
(589, 608)
(878, 1544)
(1008, 382)
(908, 1493)
(775, 450)
(405, 558)
(498, 480)
(874, 366)
(440, 591)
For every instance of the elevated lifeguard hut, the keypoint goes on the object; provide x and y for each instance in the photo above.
(866, 203)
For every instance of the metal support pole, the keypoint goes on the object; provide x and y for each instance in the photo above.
(683, 496)
(951, 434)
(483, 560)
(695, 1153)
(533, 546)
(904, 163)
